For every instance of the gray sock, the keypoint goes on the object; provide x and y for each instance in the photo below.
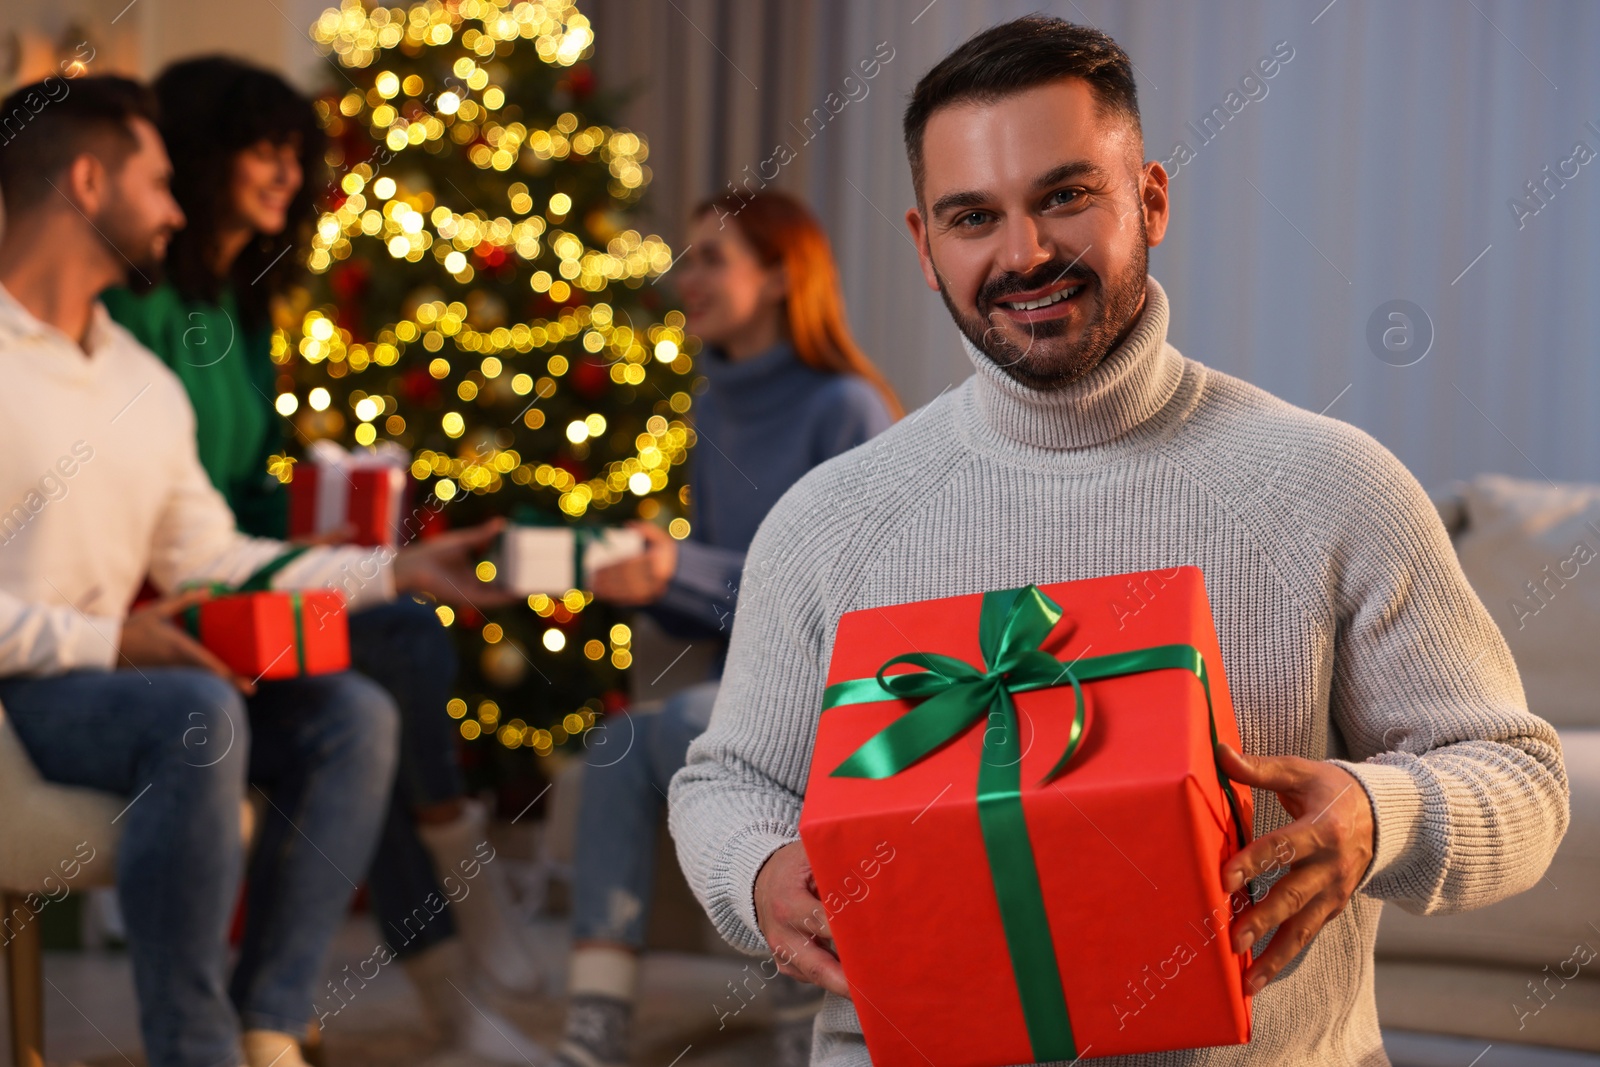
(597, 1033)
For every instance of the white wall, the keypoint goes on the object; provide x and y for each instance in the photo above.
(1377, 167)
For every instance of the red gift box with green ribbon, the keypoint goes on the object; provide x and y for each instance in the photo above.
(1017, 824)
(264, 634)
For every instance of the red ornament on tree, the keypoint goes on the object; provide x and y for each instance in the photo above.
(590, 378)
(349, 280)
(420, 387)
(582, 81)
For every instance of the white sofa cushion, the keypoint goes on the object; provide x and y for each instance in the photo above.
(1491, 1004)
(1532, 552)
(1540, 927)
(52, 837)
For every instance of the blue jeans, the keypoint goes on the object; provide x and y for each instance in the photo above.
(403, 647)
(624, 793)
(180, 744)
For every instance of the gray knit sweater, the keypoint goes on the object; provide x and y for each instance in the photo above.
(1347, 629)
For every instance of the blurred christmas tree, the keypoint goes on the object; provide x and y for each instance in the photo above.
(478, 297)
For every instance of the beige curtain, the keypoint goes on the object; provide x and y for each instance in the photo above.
(1381, 166)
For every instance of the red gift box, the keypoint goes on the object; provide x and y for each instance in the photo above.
(1078, 910)
(264, 634)
(274, 635)
(364, 490)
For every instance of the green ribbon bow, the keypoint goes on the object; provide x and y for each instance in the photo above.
(953, 695)
(259, 582)
(582, 538)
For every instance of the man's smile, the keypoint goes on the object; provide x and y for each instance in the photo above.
(1057, 300)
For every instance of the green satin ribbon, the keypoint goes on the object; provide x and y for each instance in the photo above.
(953, 695)
(259, 582)
(581, 537)
(297, 612)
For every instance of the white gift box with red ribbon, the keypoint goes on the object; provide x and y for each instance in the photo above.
(364, 491)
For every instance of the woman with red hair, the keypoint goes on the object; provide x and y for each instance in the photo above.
(786, 389)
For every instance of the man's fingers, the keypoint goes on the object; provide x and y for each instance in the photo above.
(651, 533)
(820, 967)
(1277, 773)
(1285, 898)
(1266, 853)
(604, 583)
(816, 923)
(473, 536)
(201, 656)
(621, 582)
(1293, 934)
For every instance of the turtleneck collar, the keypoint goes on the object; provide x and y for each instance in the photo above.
(1133, 382)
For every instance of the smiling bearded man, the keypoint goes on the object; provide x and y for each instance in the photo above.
(1085, 445)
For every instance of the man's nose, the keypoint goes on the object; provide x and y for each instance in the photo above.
(1022, 251)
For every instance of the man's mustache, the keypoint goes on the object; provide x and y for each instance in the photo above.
(1042, 275)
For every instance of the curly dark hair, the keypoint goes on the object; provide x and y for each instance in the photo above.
(212, 108)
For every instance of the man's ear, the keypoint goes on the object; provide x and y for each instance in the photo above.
(919, 237)
(1153, 202)
(85, 184)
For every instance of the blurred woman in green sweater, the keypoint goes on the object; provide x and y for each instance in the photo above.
(247, 156)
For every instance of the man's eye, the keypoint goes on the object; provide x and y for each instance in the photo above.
(971, 218)
(1064, 196)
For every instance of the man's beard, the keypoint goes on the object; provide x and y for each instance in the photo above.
(133, 249)
(1047, 359)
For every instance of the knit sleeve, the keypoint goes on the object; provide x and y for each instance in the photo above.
(737, 799)
(1468, 788)
(195, 538)
(44, 639)
(704, 588)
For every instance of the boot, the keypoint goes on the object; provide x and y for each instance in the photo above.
(599, 1027)
(459, 1008)
(271, 1048)
(490, 931)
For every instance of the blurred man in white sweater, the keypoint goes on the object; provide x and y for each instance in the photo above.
(101, 488)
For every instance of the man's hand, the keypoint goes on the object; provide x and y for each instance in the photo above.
(1329, 845)
(150, 639)
(793, 921)
(442, 567)
(641, 579)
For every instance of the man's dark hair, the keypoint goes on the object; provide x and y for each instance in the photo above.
(46, 125)
(1016, 56)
